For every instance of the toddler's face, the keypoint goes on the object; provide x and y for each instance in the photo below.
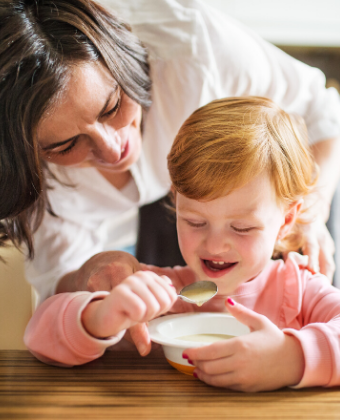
(231, 239)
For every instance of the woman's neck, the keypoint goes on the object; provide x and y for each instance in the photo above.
(117, 180)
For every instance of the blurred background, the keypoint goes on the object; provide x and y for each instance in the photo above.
(309, 30)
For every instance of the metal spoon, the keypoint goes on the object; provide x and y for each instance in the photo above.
(199, 292)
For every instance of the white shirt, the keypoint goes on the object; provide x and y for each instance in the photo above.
(196, 54)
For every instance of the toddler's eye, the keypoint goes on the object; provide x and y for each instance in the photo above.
(245, 230)
(193, 224)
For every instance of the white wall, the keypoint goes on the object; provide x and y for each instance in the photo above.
(288, 22)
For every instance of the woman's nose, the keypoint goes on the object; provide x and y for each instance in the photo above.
(107, 145)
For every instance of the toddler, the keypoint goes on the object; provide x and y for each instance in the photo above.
(240, 168)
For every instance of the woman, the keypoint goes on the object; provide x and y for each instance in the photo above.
(84, 137)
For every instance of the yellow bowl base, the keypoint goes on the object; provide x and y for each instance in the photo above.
(187, 370)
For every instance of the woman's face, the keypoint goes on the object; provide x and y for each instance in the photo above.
(93, 123)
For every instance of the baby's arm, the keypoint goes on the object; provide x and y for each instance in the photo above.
(139, 298)
(320, 335)
(62, 332)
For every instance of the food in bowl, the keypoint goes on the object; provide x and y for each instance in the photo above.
(205, 338)
(181, 331)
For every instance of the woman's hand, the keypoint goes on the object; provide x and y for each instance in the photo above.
(139, 298)
(265, 359)
(103, 271)
(319, 246)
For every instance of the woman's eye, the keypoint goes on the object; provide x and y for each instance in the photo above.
(68, 148)
(245, 230)
(113, 110)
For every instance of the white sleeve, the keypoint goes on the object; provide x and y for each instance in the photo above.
(60, 247)
(242, 63)
(198, 54)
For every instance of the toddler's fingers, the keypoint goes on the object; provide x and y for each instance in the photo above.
(214, 351)
(230, 380)
(154, 291)
(163, 280)
(225, 380)
(167, 285)
(152, 306)
(248, 317)
(162, 290)
(170, 287)
(140, 336)
(216, 366)
(128, 303)
(163, 298)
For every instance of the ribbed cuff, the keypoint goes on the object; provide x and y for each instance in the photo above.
(318, 360)
(79, 339)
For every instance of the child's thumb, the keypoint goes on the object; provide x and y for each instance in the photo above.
(248, 317)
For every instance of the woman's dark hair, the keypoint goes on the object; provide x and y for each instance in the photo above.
(39, 41)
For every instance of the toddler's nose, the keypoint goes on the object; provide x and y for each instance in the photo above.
(217, 243)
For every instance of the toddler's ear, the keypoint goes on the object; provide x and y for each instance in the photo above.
(290, 218)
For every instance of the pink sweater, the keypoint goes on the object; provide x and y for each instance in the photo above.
(299, 303)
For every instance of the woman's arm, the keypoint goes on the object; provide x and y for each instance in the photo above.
(319, 244)
(326, 154)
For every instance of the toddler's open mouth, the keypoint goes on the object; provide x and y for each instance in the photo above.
(215, 268)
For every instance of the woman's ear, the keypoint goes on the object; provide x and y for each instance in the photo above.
(290, 218)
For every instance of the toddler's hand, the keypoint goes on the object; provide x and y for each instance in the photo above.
(265, 359)
(139, 298)
(180, 277)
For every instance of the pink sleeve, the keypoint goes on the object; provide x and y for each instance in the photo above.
(55, 334)
(320, 335)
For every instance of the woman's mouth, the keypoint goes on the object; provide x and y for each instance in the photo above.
(124, 151)
(214, 268)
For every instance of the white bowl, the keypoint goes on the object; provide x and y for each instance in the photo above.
(166, 330)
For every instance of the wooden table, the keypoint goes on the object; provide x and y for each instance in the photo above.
(122, 385)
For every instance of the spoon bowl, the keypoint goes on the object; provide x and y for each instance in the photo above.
(199, 292)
